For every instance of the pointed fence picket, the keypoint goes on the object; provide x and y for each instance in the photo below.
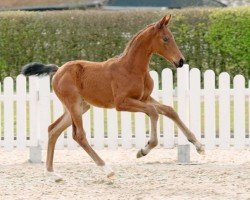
(86, 125)
(44, 108)
(248, 111)
(140, 130)
(21, 112)
(126, 130)
(224, 110)
(33, 111)
(8, 105)
(1, 118)
(112, 127)
(57, 112)
(167, 99)
(98, 128)
(195, 102)
(209, 109)
(155, 95)
(26, 115)
(239, 111)
(183, 99)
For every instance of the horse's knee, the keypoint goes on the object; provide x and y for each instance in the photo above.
(153, 113)
(170, 112)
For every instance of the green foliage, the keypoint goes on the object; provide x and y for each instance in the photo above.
(205, 36)
(229, 33)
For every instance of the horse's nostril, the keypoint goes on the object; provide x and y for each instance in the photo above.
(181, 62)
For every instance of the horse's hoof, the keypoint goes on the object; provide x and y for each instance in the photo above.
(53, 176)
(109, 171)
(140, 154)
(111, 175)
(201, 150)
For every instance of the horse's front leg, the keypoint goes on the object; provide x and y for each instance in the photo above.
(169, 112)
(133, 105)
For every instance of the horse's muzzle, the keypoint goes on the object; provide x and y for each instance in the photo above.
(180, 63)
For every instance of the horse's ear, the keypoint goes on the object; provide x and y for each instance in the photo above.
(160, 23)
(167, 19)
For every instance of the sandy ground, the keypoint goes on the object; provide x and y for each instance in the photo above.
(222, 174)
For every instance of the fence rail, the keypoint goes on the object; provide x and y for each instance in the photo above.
(218, 116)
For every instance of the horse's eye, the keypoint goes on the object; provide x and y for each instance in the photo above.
(165, 39)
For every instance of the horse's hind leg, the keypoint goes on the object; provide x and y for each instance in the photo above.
(80, 136)
(54, 131)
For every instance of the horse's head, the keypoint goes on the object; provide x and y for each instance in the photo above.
(164, 43)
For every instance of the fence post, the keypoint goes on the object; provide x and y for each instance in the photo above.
(44, 110)
(43, 118)
(184, 154)
(183, 111)
(35, 153)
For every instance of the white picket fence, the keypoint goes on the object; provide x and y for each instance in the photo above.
(219, 117)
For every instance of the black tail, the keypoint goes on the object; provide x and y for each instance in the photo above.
(38, 69)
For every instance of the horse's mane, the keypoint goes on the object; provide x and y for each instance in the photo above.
(131, 41)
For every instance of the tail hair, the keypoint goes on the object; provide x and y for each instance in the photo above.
(39, 69)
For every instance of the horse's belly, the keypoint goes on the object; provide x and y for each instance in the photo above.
(102, 103)
(99, 96)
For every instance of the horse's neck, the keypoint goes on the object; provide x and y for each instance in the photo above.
(138, 56)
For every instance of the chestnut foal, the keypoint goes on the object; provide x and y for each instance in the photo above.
(122, 82)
